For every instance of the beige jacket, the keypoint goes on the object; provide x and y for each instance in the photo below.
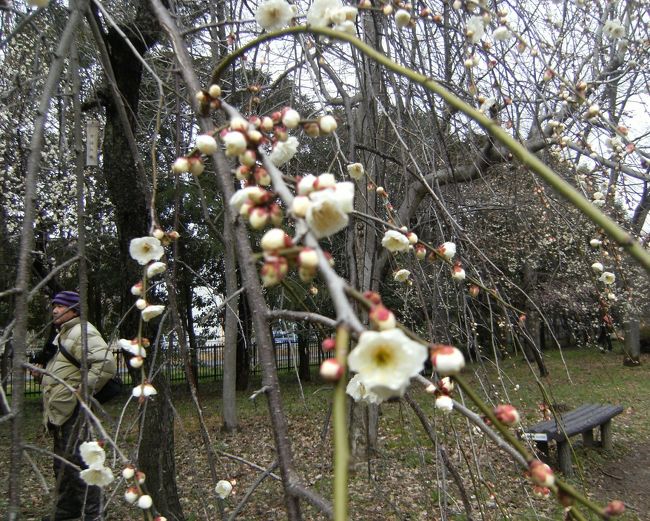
(59, 402)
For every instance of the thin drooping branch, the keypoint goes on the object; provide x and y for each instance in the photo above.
(24, 255)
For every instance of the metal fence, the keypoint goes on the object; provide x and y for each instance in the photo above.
(209, 362)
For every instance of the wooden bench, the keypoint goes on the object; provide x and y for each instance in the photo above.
(582, 420)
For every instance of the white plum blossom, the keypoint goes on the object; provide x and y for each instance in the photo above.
(274, 14)
(401, 275)
(359, 393)
(597, 267)
(502, 33)
(92, 453)
(128, 472)
(131, 495)
(152, 311)
(386, 360)
(244, 195)
(155, 268)
(475, 29)
(223, 488)
(291, 118)
(607, 278)
(356, 170)
(320, 12)
(594, 243)
(328, 212)
(613, 29)
(283, 151)
(395, 241)
(458, 273)
(132, 346)
(145, 249)
(306, 184)
(444, 403)
(98, 476)
(235, 143)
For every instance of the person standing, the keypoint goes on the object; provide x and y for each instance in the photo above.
(75, 499)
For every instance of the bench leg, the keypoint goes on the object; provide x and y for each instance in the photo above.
(564, 458)
(588, 438)
(606, 435)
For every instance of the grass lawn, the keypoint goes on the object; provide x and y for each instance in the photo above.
(404, 479)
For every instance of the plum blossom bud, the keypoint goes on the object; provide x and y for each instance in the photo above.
(474, 290)
(444, 403)
(356, 170)
(311, 129)
(387, 9)
(136, 289)
(255, 136)
(196, 166)
(128, 472)
(258, 218)
(412, 237)
(597, 267)
(140, 477)
(305, 185)
(155, 268)
(262, 176)
(181, 165)
(446, 359)
(214, 91)
(594, 243)
(238, 124)
(291, 118)
(458, 273)
(331, 370)
(447, 250)
(507, 414)
(223, 488)
(308, 258)
(273, 271)
(235, 143)
(131, 495)
(206, 144)
(327, 124)
(430, 389)
(373, 297)
(541, 474)
(329, 344)
(541, 492)
(248, 158)
(266, 125)
(136, 362)
(402, 18)
(593, 111)
(145, 502)
(300, 205)
(275, 239)
(615, 508)
(141, 304)
(445, 385)
(420, 251)
(160, 518)
(144, 390)
(381, 317)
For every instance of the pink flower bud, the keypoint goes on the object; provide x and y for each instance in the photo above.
(258, 218)
(274, 271)
(507, 414)
(615, 508)
(266, 124)
(275, 239)
(329, 344)
(474, 290)
(181, 165)
(382, 317)
(331, 370)
(420, 251)
(262, 176)
(131, 495)
(243, 172)
(446, 359)
(541, 474)
(136, 289)
(541, 492)
(196, 166)
(128, 472)
(373, 297)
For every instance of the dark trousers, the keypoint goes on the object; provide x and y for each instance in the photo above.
(75, 499)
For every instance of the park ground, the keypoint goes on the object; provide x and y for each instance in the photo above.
(403, 481)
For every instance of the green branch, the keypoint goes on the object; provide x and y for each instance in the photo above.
(568, 192)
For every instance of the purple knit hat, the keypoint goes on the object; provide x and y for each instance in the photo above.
(69, 299)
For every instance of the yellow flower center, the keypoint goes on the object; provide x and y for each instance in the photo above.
(383, 356)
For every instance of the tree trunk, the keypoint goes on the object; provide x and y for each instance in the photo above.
(231, 344)
(631, 327)
(244, 345)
